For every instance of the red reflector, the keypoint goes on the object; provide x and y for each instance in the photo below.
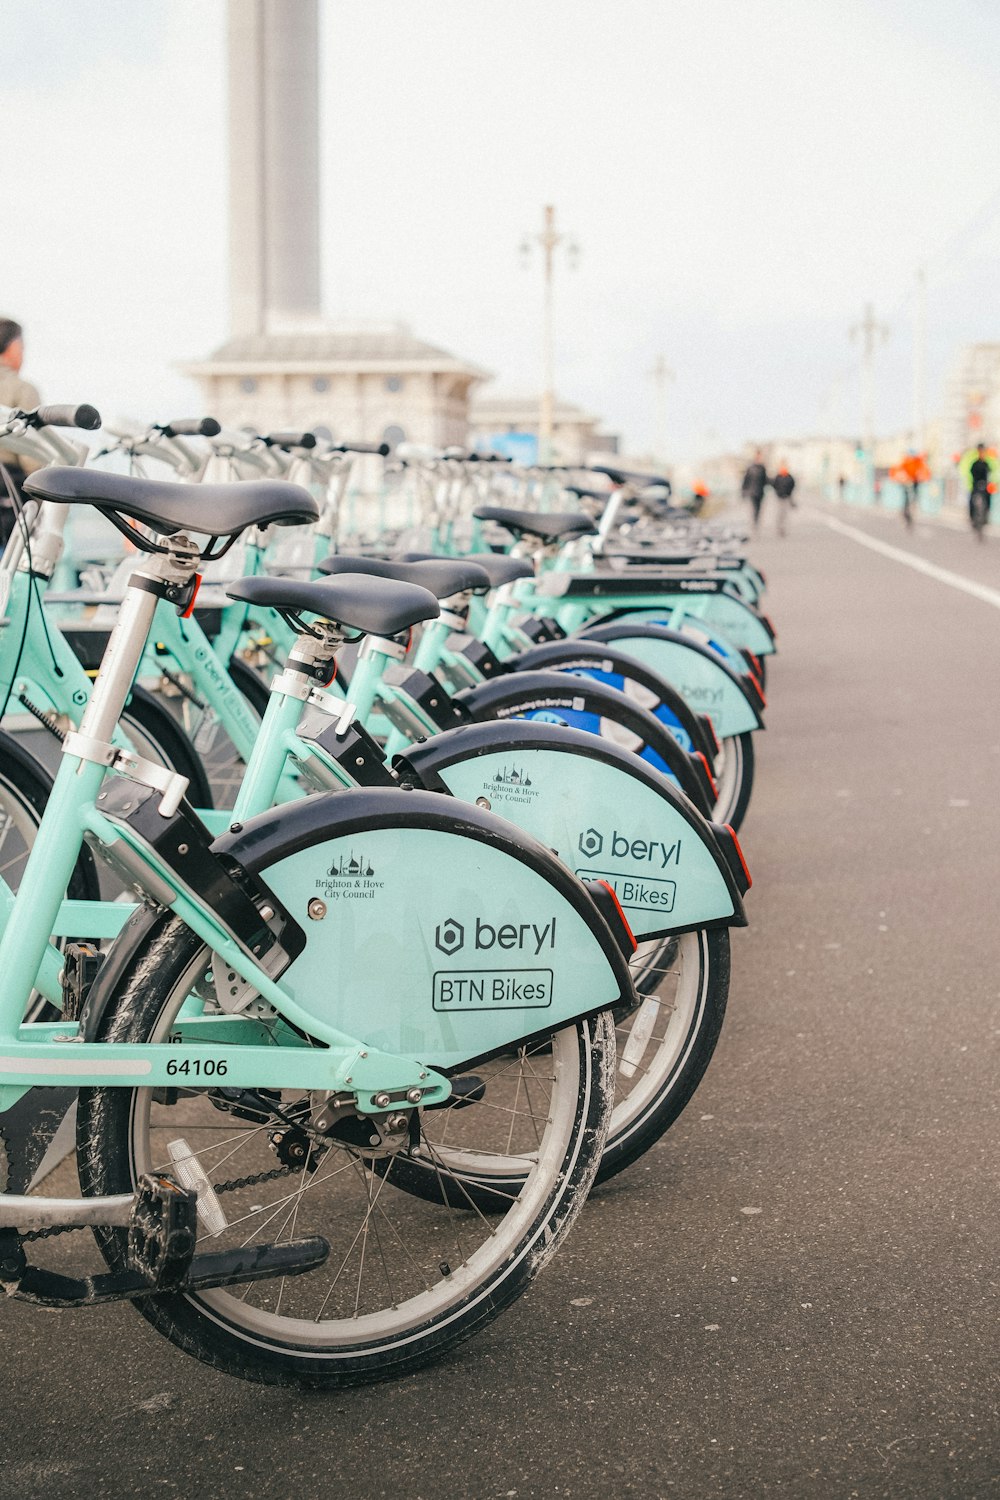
(194, 594)
(618, 908)
(739, 853)
(708, 770)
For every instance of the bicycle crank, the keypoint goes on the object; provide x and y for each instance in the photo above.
(162, 1233)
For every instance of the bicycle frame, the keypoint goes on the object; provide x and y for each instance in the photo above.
(52, 1053)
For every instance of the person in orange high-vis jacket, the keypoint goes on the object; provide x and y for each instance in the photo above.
(910, 472)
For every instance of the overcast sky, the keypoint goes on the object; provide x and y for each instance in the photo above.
(741, 175)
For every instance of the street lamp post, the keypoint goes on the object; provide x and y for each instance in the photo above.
(920, 363)
(868, 332)
(662, 376)
(549, 238)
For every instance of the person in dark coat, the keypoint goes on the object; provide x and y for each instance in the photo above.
(783, 484)
(754, 485)
(17, 393)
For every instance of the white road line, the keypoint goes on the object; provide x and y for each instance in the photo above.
(918, 564)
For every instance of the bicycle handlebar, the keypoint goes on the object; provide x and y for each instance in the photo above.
(86, 417)
(289, 439)
(625, 476)
(381, 449)
(190, 427)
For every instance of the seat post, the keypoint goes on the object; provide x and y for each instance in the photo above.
(127, 642)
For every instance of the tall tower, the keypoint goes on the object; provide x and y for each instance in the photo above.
(273, 165)
(283, 365)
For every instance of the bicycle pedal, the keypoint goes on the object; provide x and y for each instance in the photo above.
(162, 1231)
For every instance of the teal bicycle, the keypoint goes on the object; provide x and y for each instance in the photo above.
(603, 810)
(297, 1013)
(43, 686)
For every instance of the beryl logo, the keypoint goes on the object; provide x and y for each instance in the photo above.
(449, 936)
(527, 937)
(622, 846)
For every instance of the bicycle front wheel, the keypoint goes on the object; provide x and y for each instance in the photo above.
(408, 1276)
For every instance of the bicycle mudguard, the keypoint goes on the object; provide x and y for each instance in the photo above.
(626, 673)
(603, 811)
(503, 945)
(582, 703)
(434, 931)
(704, 681)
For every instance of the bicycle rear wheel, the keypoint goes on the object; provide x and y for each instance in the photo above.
(665, 1046)
(734, 771)
(408, 1277)
(979, 510)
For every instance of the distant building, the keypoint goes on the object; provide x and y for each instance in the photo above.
(575, 433)
(284, 365)
(972, 400)
(369, 385)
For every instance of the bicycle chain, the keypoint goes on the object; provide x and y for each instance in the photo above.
(232, 1186)
(51, 1232)
(258, 1177)
(221, 1187)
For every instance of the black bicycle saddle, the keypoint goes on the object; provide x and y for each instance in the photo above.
(498, 567)
(442, 576)
(372, 606)
(212, 509)
(557, 526)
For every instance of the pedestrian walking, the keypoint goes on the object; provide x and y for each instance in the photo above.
(783, 484)
(754, 485)
(18, 393)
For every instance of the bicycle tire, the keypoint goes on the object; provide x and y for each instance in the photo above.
(980, 514)
(734, 774)
(683, 1051)
(251, 1340)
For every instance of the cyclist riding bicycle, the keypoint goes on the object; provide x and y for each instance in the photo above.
(911, 474)
(980, 474)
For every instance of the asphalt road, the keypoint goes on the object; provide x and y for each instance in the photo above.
(792, 1294)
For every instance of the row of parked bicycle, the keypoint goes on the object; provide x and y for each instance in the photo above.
(380, 903)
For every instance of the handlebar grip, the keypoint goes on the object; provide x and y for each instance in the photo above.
(86, 417)
(191, 427)
(382, 449)
(290, 439)
(629, 476)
